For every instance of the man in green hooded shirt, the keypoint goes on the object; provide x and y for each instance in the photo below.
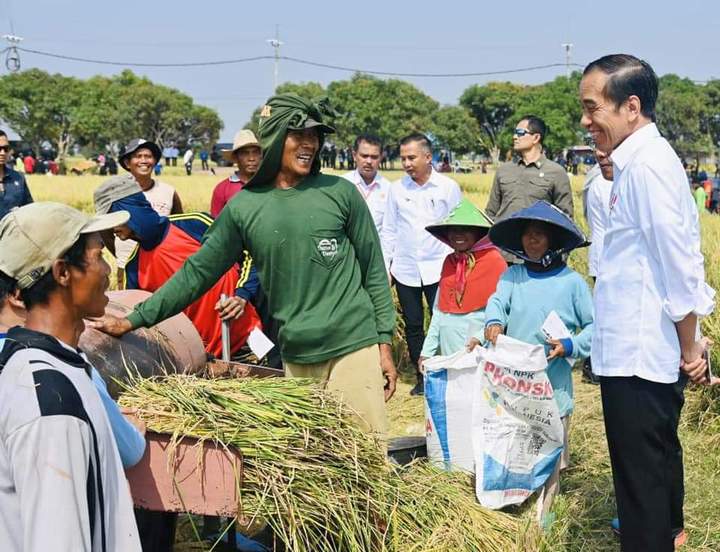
(318, 256)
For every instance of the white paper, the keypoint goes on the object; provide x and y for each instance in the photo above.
(259, 343)
(554, 328)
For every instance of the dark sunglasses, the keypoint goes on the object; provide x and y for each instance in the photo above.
(5, 148)
(522, 132)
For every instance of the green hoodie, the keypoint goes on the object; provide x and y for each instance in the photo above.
(318, 258)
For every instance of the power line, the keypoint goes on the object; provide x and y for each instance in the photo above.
(295, 60)
(431, 75)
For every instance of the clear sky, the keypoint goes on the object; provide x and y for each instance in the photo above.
(400, 37)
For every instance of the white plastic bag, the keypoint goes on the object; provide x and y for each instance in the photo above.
(516, 423)
(449, 383)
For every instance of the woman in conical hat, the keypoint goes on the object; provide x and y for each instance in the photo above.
(468, 279)
(527, 293)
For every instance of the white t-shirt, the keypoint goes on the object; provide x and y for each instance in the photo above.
(62, 484)
(651, 269)
(160, 197)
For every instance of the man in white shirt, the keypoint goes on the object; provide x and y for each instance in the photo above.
(62, 484)
(413, 256)
(374, 187)
(649, 294)
(596, 206)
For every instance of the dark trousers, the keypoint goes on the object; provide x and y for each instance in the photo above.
(411, 306)
(641, 422)
(156, 530)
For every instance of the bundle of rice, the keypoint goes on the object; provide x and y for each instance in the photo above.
(320, 481)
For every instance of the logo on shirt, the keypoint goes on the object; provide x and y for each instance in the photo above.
(613, 200)
(328, 247)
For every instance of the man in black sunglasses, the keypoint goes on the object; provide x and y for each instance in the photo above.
(533, 177)
(13, 188)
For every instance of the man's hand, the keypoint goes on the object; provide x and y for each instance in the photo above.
(693, 363)
(472, 343)
(557, 349)
(132, 417)
(232, 308)
(388, 370)
(111, 325)
(421, 364)
(492, 331)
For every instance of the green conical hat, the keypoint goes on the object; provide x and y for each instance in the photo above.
(465, 214)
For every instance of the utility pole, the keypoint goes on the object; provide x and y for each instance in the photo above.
(275, 43)
(12, 57)
(568, 47)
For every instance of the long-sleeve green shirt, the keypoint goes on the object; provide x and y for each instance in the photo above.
(319, 261)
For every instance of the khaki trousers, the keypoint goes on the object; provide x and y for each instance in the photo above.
(357, 379)
(550, 490)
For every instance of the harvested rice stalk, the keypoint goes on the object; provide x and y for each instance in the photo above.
(318, 479)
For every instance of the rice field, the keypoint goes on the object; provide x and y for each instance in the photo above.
(586, 505)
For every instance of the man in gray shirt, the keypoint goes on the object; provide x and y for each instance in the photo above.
(533, 177)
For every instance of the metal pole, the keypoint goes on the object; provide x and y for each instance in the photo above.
(276, 43)
(225, 334)
(568, 47)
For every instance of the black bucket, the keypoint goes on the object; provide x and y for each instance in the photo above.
(403, 450)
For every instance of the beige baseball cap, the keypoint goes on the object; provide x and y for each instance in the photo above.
(243, 138)
(32, 237)
(113, 189)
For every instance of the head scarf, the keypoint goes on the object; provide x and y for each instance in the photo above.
(465, 264)
(146, 224)
(280, 114)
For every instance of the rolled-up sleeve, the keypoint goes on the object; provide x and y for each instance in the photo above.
(669, 223)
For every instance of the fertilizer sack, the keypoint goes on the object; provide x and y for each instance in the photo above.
(449, 383)
(516, 423)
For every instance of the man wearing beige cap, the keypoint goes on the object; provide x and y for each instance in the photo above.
(246, 155)
(62, 485)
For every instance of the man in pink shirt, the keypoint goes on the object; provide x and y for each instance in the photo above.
(246, 155)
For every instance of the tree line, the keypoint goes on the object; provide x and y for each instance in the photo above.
(688, 113)
(102, 112)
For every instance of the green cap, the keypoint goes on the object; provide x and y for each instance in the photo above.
(465, 214)
(114, 188)
(32, 237)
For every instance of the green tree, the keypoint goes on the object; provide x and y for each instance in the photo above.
(682, 116)
(456, 128)
(493, 106)
(388, 108)
(42, 108)
(101, 111)
(161, 114)
(711, 120)
(556, 103)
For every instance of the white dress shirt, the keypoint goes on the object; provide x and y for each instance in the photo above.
(375, 194)
(651, 269)
(596, 207)
(413, 255)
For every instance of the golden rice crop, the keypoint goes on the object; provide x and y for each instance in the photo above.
(320, 481)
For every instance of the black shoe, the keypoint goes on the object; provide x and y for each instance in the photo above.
(587, 373)
(419, 389)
